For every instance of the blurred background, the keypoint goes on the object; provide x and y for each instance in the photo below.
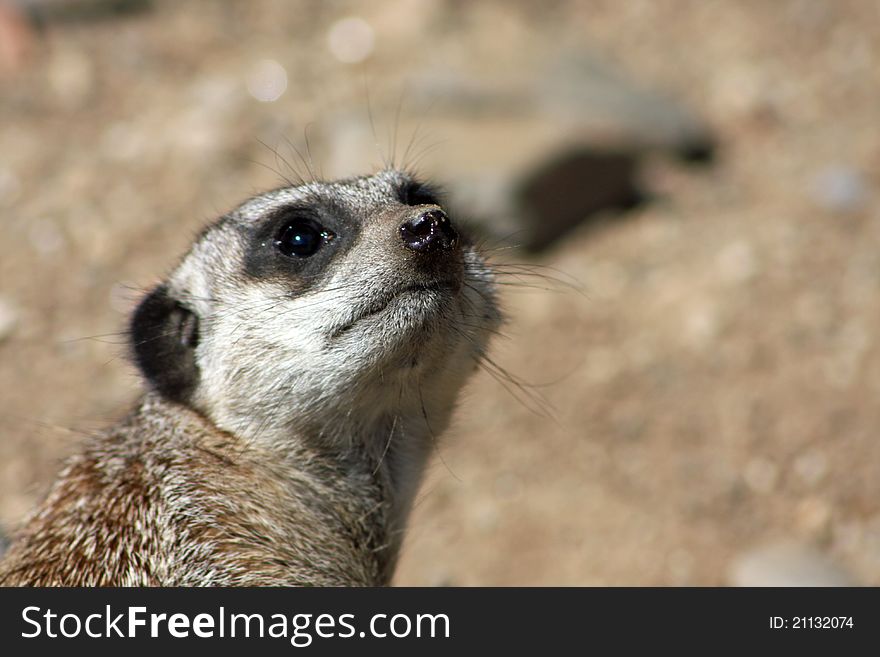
(684, 197)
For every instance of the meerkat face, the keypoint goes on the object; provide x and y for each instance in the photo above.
(310, 305)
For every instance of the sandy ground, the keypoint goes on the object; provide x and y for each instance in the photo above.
(711, 387)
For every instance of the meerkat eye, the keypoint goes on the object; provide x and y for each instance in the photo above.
(301, 238)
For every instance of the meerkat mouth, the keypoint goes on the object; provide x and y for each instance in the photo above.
(385, 301)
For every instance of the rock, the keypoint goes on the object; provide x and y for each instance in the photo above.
(556, 188)
(580, 87)
(578, 95)
(787, 563)
(528, 154)
(559, 146)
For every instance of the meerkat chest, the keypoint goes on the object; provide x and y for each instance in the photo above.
(259, 522)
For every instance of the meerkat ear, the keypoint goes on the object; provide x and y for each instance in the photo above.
(164, 335)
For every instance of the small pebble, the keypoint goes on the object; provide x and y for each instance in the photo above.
(8, 319)
(680, 565)
(760, 475)
(267, 81)
(701, 326)
(71, 76)
(10, 187)
(787, 563)
(813, 517)
(45, 236)
(810, 467)
(737, 262)
(840, 189)
(351, 40)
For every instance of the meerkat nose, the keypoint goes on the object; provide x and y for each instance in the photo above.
(427, 231)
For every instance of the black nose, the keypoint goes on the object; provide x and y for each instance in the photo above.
(428, 231)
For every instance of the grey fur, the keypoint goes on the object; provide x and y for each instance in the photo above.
(297, 442)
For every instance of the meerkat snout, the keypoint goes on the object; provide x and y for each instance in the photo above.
(300, 362)
(428, 230)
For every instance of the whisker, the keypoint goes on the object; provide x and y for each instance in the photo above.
(387, 445)
(433, 437)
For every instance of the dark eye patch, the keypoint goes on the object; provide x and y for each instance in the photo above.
(295, 243)
(418, 193)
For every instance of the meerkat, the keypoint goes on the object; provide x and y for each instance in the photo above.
(300, 362)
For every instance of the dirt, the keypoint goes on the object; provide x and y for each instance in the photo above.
(709, 385)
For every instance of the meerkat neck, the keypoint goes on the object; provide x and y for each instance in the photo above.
(381, 464)
(389, 443)
(306, 494)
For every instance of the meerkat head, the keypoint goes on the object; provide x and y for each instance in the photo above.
(325, 309)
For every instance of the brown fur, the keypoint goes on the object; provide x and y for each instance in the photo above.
(164, 488)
